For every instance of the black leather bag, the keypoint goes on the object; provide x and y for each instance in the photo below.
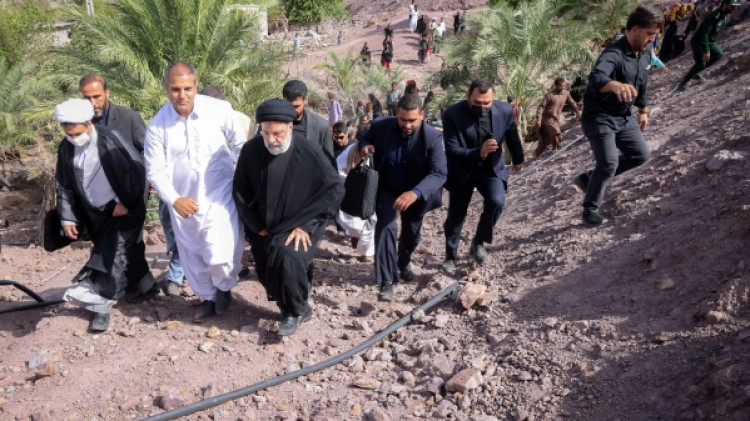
(54, 239)
(361, 188)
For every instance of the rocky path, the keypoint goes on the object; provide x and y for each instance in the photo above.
(644, 318)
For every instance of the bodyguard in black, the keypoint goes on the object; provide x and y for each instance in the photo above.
(473, 131)
(617, 82)
(410, 159)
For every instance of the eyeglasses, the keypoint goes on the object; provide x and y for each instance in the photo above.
(276, 135)
(340, 137)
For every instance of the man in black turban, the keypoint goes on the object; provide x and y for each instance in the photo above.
(285, 191)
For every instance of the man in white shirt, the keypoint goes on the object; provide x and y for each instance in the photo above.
(191, 146)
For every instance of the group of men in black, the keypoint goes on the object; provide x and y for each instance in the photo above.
(286, 187)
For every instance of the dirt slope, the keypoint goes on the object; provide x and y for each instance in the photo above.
(645, 318)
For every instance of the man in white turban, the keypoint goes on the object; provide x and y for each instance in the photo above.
(101, 194)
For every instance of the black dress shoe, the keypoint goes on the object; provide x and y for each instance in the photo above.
(288, 326)
(206, 310)
(479, 253)
(386, 292)
(407, 274)
(99, 323)
(223, 300)
(592, 218)
(139, 298)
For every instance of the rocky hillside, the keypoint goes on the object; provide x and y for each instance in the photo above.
(644, 318)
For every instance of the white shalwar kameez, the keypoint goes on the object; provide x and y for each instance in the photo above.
(364, 229)
(195, 158)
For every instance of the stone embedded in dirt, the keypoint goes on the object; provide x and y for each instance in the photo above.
(363, 326)
(173, 324)
(525, 376)
(466, 379)
(214, 332)
(129, 404)
(365, 382)
(441, 320)
(715, 317)
(365, 308)
(37, 360)
(666, 283)
(42, 415)
(582, 324)
(376, 414)
(722, 158)
(549, 322)
(470, 293)
(206, 346)
(443, 409)
(172, 398)
(417, 315)
(483, 418)
(434, 385)
(486, 299)
(47, 370)
(79, 333)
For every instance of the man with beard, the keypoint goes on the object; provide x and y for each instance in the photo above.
(473, 129)
(617, 82)
(127, 122)
(410, 160)
(191, 146)
(285, 191)
(308, 125)
(101, 190)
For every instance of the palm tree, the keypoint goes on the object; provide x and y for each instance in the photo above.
(342, 71)
(133, 44)
(521, 49)
(19, 92)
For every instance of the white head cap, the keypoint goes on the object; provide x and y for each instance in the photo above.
(74, 111)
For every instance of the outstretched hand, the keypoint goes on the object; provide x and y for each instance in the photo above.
(299, 236)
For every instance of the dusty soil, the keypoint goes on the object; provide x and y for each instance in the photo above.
(644, 318)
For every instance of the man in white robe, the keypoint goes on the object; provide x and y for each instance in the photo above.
(191, 146)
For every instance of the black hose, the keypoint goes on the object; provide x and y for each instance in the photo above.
(218, 400)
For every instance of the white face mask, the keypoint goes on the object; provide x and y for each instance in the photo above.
(280, 149)
(80, 141)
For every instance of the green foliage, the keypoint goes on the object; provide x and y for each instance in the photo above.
(521, 49)
(342, 71)
(313, 11)
(132, 45)
(20, 91)
(24, 29)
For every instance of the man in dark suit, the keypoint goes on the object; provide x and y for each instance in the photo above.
(127, 122)
(473, 130)
(410, 159)
(308, 125)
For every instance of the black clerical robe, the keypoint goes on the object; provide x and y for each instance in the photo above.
(117, 258)
(298, 188)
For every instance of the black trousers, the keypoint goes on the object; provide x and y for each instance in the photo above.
(389, 259)
(606, 139)
(284, 272)
(492, 189)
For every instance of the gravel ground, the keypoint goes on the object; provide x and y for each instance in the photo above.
(644, 318)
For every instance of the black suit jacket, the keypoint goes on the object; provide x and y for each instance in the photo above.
(129, 123)
(426, 157)
(318, 131)
(462, 146)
